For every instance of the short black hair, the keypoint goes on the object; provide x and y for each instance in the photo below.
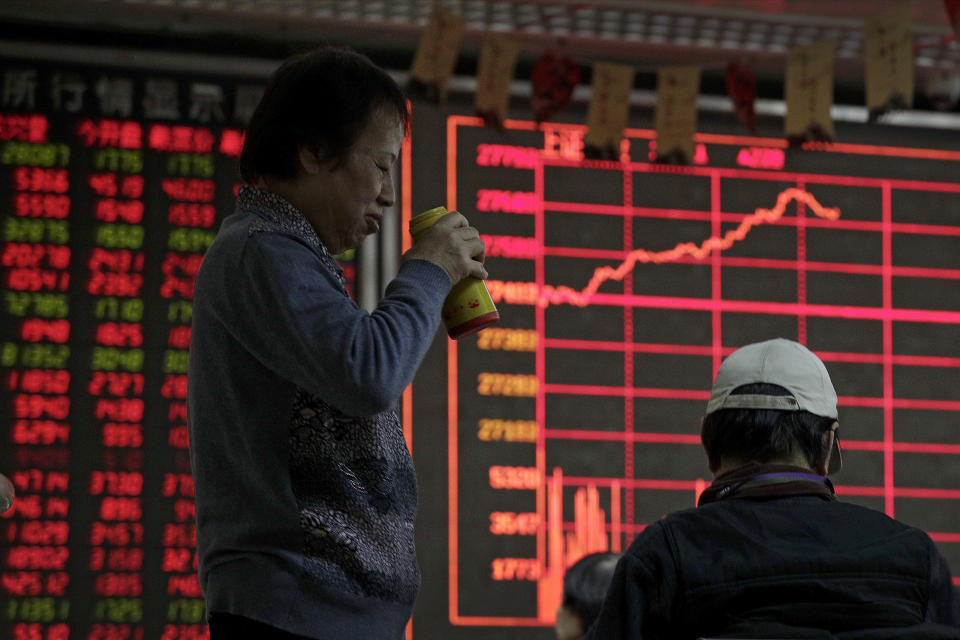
(764, 435)
(322, 99)
(585, 585)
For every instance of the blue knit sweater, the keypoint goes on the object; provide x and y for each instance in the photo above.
(305, 491)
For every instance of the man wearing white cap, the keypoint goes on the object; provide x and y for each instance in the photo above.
(770, 552)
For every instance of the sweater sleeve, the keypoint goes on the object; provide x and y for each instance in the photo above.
(639, 601)
(289, 312)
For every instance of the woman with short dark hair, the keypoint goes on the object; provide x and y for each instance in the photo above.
(322, 99)
(305, 491)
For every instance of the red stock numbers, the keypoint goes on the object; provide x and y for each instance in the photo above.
(39, 380)
(119, 559)
(116, 483)
(40, 330)
(119, 409)
(39, 179)
(193, 189)
(110, 185)
(190, 214)
(115, 384)
(37, 631)
(34, 583)
(38, 532)
(185, 632)
(26, 128)
(179, 274)
(119, 334)
(30, 405)
(125, 134)
(41, 205)
(180, 138)
(39, 432)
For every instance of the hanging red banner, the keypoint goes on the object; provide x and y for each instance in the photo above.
(553, 79)
(953, 12)
(742, 88)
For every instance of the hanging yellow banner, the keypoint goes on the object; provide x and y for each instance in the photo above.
(676, 116)
(609, 109)
(498, 56)
(888, 60)
(809, 92)
(437, 51)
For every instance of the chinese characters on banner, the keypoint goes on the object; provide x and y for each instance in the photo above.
(608, 111)
(888, 61)
(676, 117)
(809, 93)
(436, 53)
(498, 56)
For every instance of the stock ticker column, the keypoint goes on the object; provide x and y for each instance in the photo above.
(191, 158)
(532, 510)
(35, 187)
(109, 417)
(534, 377)
(187, 200)
(493, 430)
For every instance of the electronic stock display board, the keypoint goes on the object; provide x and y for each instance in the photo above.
(574, 422)
(112, 184)
(564, 429)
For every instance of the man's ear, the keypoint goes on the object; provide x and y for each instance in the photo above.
(712, 467)
(824, 465)
(309, 161)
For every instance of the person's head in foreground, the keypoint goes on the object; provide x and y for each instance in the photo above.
(324, 136)
(584, 585)
(772, 402)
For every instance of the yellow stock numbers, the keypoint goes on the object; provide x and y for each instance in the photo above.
(507, 339)
(506, 384)
(497, 430)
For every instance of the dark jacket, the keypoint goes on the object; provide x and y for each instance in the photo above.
(772, 554)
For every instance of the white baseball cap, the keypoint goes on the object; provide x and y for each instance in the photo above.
(784, 363)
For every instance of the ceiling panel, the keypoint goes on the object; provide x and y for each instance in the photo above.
(706, 32)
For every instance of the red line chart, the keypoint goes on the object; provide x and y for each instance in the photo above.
(556, 295)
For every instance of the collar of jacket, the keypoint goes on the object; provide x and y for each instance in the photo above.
(765, 481)
(280, 212)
